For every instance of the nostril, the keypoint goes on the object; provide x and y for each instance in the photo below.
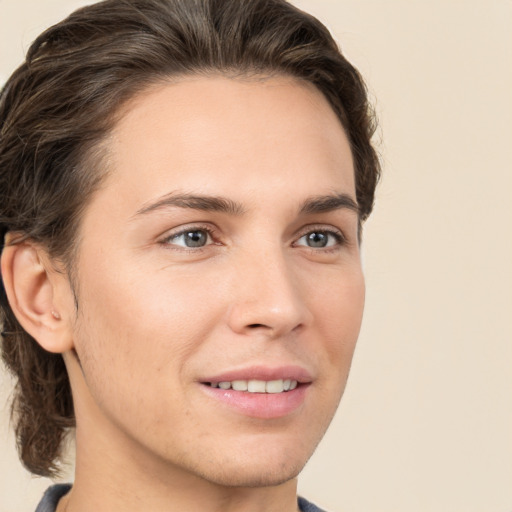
(255, 326)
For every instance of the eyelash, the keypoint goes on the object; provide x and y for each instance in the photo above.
(340, 239)
(210, 232)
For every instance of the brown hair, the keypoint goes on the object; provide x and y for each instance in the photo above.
(58, 106)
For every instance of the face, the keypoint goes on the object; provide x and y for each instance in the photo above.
(219, 281)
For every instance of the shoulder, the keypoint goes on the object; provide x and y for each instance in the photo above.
(306, 506)
(52, 496)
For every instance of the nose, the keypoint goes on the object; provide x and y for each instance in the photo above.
(267, 298)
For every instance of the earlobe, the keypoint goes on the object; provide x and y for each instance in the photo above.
(33, 289)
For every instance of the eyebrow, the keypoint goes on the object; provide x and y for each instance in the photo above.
(317, 204)
(329, 203)
(195, 202)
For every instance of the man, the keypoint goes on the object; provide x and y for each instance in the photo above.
(183, 187)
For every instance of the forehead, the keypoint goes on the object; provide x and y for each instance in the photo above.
(222, 134)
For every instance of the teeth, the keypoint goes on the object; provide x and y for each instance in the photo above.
(257, 386)
(239, 385)
(274, 386)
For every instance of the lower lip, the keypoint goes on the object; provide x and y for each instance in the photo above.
(260, 405)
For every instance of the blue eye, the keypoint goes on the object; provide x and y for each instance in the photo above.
(191, 238)
(320, 239)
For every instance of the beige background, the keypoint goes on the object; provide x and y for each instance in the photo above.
(426, 422)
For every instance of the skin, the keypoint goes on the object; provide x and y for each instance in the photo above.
(155, 317)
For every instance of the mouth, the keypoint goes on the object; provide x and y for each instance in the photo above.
(260, 392)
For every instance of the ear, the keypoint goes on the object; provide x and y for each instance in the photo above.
(38, 295)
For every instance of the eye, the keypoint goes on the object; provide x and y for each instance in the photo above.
(190, 238)
(320, 239)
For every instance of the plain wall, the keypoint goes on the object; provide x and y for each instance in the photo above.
(426, 421)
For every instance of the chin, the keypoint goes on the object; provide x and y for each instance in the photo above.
(250, 475)
(263, 463)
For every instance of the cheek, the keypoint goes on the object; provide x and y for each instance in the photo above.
(339, 306)
(138, 325)
(150, 320)
(135, 340)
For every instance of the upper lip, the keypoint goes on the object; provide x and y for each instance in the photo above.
(266, 373)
